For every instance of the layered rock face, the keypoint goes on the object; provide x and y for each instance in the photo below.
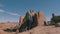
(40, 18)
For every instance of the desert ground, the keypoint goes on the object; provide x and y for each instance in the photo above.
(36, 30)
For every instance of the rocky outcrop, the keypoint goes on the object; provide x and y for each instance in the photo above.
(24, 23)
(40, 18)
(21, 21)
(37, 20)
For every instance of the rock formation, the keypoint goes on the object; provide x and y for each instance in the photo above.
(37, 20)
(32, 22)
(40, 18)
(21, 21)
(34, 19)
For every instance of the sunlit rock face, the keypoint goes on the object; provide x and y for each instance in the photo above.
(40, 18)
(21, 21)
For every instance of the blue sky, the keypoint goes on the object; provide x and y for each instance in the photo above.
(11, 10)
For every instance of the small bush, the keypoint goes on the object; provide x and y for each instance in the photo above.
(10, 30)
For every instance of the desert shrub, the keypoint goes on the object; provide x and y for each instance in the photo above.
(10, 30)
(55, 19)
(57, 25)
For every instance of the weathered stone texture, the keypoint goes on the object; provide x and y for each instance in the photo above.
(41, 18)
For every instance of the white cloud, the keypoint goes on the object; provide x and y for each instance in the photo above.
(2, 10)
(15, 14)
(10, 13)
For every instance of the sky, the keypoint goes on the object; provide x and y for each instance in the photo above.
(11, 10)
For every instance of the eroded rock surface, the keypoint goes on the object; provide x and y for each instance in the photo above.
(41, 18)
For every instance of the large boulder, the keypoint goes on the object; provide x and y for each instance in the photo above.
(41, 18)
